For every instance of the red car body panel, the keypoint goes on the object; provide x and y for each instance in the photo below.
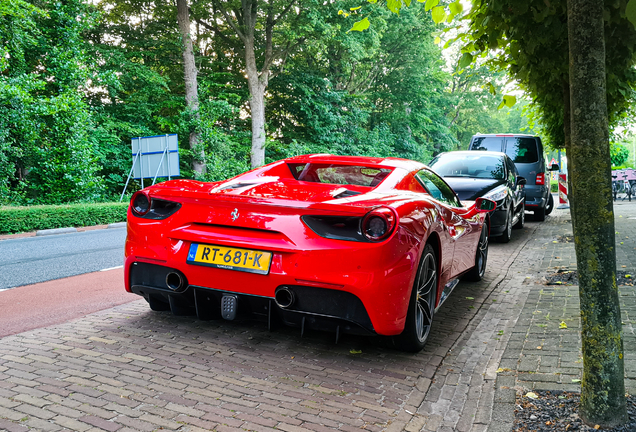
(262, 210)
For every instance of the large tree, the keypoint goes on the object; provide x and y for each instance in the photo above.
(603, 388)
(191, 84)
(157, 75)
(576, 59)
(264, 32)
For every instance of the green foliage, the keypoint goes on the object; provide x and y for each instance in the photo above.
(325, 120)
(630, 11)
(46, 151)
(619, 154)
(532, 39)
(31, 218)
(141, 91)
(475, 99)
(78, 81)
(373, 93)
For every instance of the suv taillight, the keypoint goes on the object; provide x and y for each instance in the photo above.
(540, 180)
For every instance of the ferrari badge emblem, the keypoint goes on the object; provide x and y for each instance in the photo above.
(235, 214)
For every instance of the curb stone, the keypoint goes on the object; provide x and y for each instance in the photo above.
(54, 231)
(61, 231)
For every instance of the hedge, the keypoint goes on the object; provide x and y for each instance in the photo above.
(22, 219)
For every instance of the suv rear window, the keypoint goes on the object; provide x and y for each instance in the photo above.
(488, 143)
(522, 150)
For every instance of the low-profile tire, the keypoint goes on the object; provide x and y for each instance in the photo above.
(550, 206)
(539, 214)
(476, 273)
(507, 233)
(419, 317)
(522, 217)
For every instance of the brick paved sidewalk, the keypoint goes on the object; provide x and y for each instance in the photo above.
(130, 369)
(540, 353)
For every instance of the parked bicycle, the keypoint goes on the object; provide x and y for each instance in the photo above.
(623, 185)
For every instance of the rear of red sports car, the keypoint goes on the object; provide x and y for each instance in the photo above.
(326, 253)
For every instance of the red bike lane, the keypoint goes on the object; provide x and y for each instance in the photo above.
(57, 301)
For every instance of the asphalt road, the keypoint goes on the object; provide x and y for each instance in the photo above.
(31, 260)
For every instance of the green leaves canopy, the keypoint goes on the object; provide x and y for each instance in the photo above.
(533, 48)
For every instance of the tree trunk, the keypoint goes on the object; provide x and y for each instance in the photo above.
(257, 85)
(567, 135)
(567, 122)
(191, 86)
(602, 387)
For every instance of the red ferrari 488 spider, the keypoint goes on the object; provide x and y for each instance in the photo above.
(346, 244)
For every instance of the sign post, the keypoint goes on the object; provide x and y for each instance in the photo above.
(154, 156)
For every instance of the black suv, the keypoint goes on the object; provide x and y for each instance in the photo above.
(526, 151)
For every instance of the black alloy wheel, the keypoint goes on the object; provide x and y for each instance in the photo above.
(522, 217)
(481, 257)
(507, 234)
(419, 317)
(550, 206)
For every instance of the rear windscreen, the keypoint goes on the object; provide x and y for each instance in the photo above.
(522, 150)
(473, 165)
(488, 144)
(339, 174)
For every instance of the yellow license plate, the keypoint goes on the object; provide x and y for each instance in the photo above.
(230, 258)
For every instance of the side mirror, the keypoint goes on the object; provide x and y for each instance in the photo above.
(554, 167)
(521, 181)
(484, 205)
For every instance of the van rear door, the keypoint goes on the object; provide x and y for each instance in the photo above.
(525, 152)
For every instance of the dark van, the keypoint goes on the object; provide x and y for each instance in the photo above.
(526, 151)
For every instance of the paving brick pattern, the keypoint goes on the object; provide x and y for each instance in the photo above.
(542, 353)
(131, 369)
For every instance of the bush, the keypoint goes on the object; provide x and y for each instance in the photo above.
(22, 219)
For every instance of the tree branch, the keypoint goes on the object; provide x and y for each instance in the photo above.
(269, 30)
(284, 12)
(229, 20)
(218, 32)
(285, 53)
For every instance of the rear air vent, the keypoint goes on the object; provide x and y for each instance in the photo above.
(236, 186)
(347, 193)
(335, 227)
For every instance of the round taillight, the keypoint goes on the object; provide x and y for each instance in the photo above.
(379, 223)
(140, 203)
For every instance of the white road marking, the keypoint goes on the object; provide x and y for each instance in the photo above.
(112, 268)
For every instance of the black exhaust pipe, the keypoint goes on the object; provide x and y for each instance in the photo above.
(284, 297)
(175, 281)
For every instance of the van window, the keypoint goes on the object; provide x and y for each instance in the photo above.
(522, 150)
(488, 143)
